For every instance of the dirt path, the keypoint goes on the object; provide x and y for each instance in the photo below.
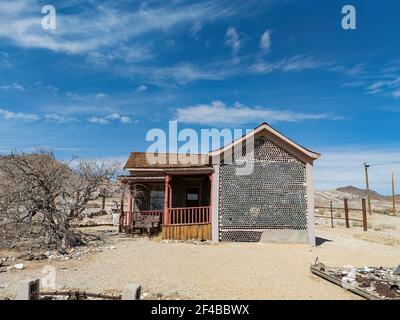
(223, 271)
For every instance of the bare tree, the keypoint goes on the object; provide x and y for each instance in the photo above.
(38, 186)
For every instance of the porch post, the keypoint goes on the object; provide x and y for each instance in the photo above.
(133, 204)
(165, 219)
(130, 215)
(170, 192)
(121, 216)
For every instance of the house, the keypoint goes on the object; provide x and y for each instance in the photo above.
(202, 196)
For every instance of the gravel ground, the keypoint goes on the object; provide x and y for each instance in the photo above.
(221, 271)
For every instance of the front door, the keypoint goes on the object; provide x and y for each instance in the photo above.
(193, 196)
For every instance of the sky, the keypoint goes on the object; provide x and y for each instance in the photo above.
(113, 70)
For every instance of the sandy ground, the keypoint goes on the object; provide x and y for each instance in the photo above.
(221, 271)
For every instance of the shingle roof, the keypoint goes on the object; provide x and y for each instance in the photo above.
(144, 160)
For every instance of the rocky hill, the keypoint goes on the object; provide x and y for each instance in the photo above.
(354, 196)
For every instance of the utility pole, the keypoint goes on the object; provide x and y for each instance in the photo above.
(394, 196)
(366, 166)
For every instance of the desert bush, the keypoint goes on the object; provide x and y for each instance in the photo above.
(38, 191)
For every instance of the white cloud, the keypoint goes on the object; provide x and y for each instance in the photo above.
(58, 118)
(170, 75)
(141, 88)
(219, 114)
(13, 86)
(233, 41)
(353, 84)
(396, 93)
(294, 64)
(110, 118)
(75, 96)
(10, 115)
(100, 95)
(265, 41)
(127, 51)
(98, 120)
(52, 117)
(110, 40)
(5, 61)
(125, 119)
(299, 63)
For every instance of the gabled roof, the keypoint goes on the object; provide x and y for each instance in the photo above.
(267, 129)
(139, 160)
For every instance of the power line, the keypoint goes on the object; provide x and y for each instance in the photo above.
(383, 164)
(343, 170)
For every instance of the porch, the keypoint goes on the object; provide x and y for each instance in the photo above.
(177, 204)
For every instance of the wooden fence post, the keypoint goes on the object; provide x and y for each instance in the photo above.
(364, 213)
(346, 213)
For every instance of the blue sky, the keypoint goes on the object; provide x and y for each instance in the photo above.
(112, 70)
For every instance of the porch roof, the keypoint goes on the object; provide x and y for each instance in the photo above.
(163, 161)
(158, 175)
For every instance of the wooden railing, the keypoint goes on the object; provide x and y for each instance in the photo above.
(194, 215)
(127, 219)
(176, 216)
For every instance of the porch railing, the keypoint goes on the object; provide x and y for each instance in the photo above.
(176, 216)
(189, 215)
(128, 217)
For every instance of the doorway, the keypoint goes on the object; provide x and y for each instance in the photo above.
(192, 196)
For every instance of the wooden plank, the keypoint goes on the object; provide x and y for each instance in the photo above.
(354, 289)
(199, 232)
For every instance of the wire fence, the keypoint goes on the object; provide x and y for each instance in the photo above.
(333, 214)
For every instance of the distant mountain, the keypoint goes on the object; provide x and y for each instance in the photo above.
(354, 196)
(362, 193)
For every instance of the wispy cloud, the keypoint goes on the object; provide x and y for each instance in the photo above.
(14, 86)
(383, 85)
(374, 79)
(10, 115)
(294, 64)
(114, 117)
(141, 88)
(265, 41)
(219, 114)
(353, 84)
(100, 95)
(5, 60)
(59, 118)
(175, 74)
(97, 30)
(233, 41)
(100, 30)
(52, 117)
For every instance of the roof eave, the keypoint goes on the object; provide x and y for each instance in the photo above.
(264, 126)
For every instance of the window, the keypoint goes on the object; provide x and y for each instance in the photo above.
(157, 198)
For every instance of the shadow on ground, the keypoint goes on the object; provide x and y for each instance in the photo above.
(319, 241)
